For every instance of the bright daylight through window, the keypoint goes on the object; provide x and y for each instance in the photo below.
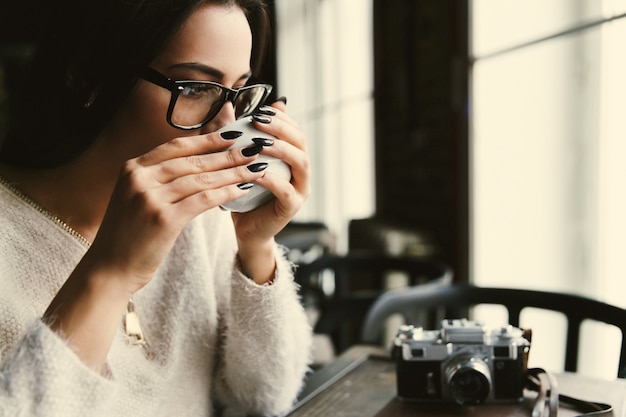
(548, 141)
(325, 68)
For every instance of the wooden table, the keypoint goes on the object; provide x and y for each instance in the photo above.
(362, 383)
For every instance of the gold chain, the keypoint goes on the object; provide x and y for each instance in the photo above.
(132, 328)
(24, 197)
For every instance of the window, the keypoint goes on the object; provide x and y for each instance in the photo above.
(325, 70)
(548, 139)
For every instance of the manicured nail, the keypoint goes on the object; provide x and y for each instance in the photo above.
(282, 98)
(258, 167)
(263, 141)
(245, 185)
(252, 150)
(231, 134)
(261, 119)
(267, 110)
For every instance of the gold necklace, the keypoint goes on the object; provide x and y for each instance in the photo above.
(26, 198)
(132, 327)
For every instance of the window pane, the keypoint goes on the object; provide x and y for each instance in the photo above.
(547, 144)
(533, 165)
(517, 21)
(325, 57)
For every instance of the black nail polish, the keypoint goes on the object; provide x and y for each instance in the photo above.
(231, 134)
(252, 150)
(267, 110)
(261, 119)
(258, 167)
(245, 185)
(282, 98)
(263, 141)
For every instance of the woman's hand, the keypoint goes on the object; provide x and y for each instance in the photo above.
(256, 229)
(155, 196)
(158, 193)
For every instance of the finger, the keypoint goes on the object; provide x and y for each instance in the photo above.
(186, 146)
(289, 200)
(280, 103)
(170, 170)
(277, 110)
(280, 126)
(208, 182)
(291, 149)
(202, 201)
(298, 161)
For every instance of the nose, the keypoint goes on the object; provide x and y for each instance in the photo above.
(225, 116)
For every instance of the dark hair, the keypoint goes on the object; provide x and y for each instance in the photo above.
(86, 63)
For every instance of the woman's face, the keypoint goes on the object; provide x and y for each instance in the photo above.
(214, 44)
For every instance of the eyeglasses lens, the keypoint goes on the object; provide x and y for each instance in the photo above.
(248, 100)
(197, 103)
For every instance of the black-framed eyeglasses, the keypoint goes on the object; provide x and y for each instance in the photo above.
(195, 103)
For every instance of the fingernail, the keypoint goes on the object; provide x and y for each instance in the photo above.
(282, 98)
(259, 166)
(245, 185)
(263, 141)
(261, 119)
(267, 110)
(252, 150)
(231, 134)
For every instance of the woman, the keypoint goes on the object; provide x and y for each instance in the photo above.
(124, 289)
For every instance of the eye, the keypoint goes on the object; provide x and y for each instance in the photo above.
(200, 91)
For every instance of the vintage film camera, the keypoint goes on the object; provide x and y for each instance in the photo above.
(463, 362)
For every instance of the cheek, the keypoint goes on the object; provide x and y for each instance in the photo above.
(140, 124)
(146, 108)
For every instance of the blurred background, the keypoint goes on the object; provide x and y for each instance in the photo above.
(488, 134)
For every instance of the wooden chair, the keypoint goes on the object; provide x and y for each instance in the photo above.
(342, 288)
(456, 299)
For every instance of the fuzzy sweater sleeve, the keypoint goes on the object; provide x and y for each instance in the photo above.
(267, 349)
(41, 376)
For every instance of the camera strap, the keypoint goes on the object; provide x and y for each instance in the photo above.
(548, 396)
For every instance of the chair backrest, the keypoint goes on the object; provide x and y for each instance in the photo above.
(412, 301)
(358, 278)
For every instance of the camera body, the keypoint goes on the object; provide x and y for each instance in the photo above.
(463, 362)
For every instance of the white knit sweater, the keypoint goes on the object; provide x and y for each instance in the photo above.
(214, 335)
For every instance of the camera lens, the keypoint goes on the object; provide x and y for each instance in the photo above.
(469, 381)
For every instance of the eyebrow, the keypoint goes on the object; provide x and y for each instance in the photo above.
(208, 70)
